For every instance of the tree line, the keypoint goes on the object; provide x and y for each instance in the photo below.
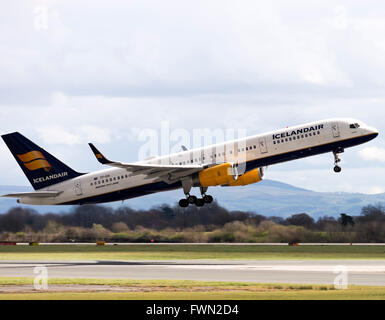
(211, 223)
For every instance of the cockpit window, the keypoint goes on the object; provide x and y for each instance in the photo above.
(354, 126)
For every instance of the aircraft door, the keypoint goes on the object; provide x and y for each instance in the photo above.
(335, 130)
(263, 145)
(78, 188)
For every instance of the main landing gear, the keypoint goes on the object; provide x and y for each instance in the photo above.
(337, 160)
(199, 202)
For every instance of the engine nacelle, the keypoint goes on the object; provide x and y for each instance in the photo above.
(222, 174)
(250, 177)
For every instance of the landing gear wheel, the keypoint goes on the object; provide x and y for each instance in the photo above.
(192, 199)
(200, 203)
(184, 203)
(337, 169)
(208, 199)
(337, 160)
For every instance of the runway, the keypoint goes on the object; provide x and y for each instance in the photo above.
(356, 272)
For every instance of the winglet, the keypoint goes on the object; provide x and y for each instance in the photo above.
(99, 156)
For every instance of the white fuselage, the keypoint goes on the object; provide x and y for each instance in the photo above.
(255, 151)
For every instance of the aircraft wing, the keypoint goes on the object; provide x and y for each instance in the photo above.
(35, 194)
(168, 173)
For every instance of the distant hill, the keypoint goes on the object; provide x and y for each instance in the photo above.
(269, 198)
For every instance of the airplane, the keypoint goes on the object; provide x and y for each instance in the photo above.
(234, 163)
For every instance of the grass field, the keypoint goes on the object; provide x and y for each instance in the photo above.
(81, 289)
(165, 252)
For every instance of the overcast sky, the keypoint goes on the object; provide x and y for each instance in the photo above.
(73, 72)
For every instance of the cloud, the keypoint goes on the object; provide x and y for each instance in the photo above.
(95, 134)
(133, 48)
(373, 154)
(58, 135)
(376, 190)
(103, 72)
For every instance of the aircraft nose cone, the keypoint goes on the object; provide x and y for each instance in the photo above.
(374, 134)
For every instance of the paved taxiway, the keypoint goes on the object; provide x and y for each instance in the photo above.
(359, 272)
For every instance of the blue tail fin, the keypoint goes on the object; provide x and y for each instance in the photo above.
(41, 168)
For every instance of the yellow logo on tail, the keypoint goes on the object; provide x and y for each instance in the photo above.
(34, 160)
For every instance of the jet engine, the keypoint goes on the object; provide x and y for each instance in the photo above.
(226, 174)
(222, 174)
(250, 177)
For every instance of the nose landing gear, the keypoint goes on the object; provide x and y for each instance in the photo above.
(337, 169)
(337, 160)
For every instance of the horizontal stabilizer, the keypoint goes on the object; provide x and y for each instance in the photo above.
(37, 194)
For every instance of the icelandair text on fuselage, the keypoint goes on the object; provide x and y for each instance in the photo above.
(51, 177)
(297, 132)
